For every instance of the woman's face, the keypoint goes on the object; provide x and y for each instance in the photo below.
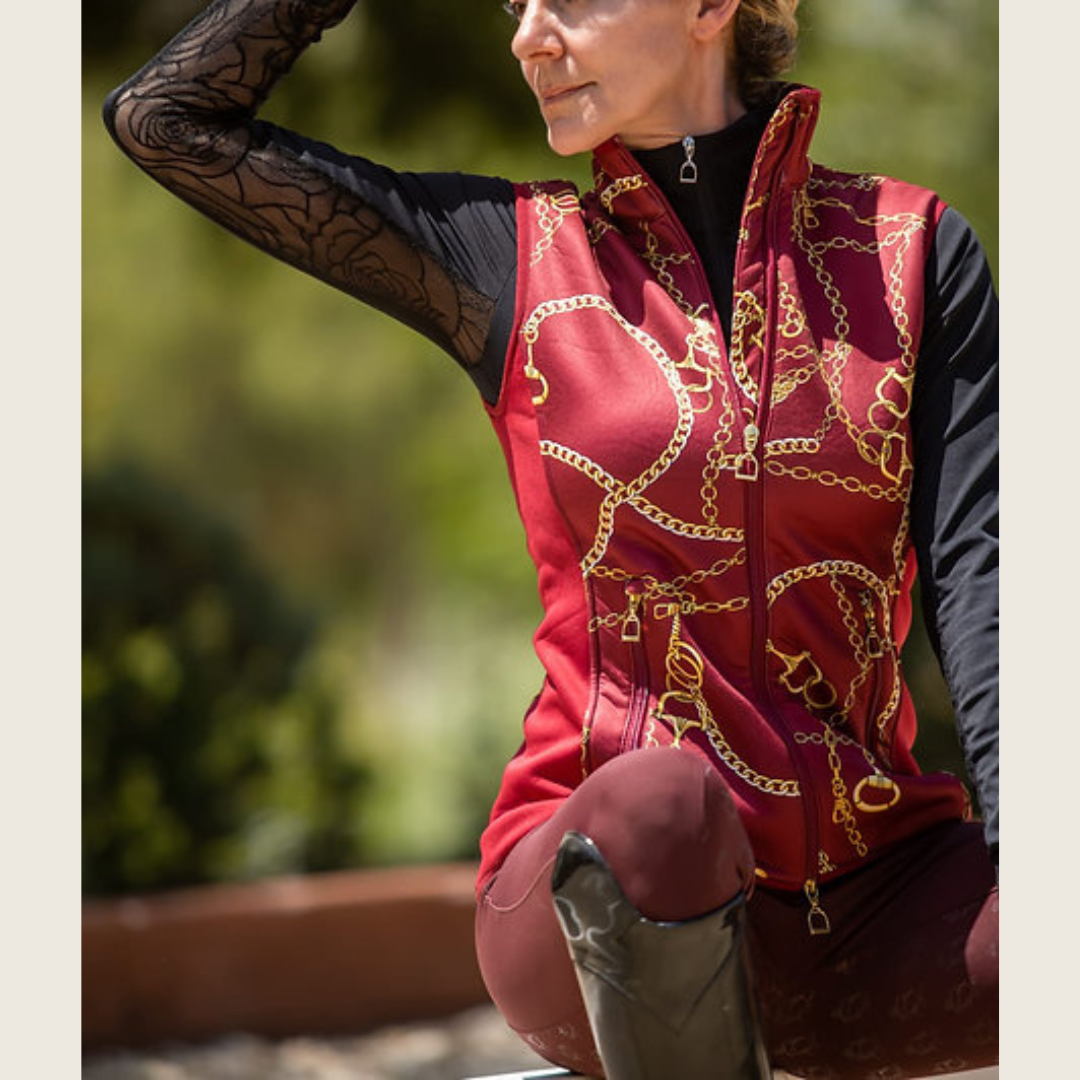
(601, 68)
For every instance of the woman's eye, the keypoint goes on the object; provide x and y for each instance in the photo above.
(515, 9)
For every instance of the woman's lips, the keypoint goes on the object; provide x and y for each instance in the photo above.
(553, 95)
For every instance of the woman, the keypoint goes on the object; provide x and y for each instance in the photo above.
(741, 398)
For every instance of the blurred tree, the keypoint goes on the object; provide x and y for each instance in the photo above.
(910, 89)
(410, 67)
(115, 30)
(197, 731)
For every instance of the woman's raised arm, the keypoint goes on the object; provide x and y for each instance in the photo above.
(188, 118)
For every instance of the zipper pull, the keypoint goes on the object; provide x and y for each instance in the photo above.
(874, 647)
(688, 172)
(816, 919)
(746, 468)
(631, 627)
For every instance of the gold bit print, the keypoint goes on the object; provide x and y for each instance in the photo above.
(814, 689)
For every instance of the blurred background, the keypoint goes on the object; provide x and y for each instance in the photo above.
(308, 609)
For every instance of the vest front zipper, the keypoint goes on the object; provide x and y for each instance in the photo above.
(754, 503)
(748, 469)
(817, 920)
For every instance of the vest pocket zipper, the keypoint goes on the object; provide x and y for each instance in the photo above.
(632, 634)
(875, 649)
(876, 653)
(631, 625)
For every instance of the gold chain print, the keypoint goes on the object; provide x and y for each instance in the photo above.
(844, 805)
(682, 705)
(884, 443)
(552, 211)
(792, 320)
(616, 492)
(869, 642)
(598, 228)
(684, 675)
(801, 676)
(900, 548)
(660, 263)
(748, 315)
(701, 367)
(824, 568)
(868, 639)
(800, 444)
(718, 457)
(833, 418)
(842, 814)
(619, 187)
(860, 181)
(675, 593)
(785, 383)
(702, 339)
(701, 360)
(864, 651)
(828, 478)
(747, 325)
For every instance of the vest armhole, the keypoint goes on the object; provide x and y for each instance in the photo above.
(526, 227)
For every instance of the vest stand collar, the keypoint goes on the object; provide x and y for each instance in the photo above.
(624, 190)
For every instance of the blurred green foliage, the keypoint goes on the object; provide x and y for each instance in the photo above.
(351, 462)
(198, 718)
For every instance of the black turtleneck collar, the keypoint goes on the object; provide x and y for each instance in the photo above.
(711, 208)
(724, 159)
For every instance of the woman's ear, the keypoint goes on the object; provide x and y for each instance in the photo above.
(713, 17)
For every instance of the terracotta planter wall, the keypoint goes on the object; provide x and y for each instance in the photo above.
(324, 954)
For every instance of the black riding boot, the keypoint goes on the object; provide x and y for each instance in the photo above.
(666, 1000)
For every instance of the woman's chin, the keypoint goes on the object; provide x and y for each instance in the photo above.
(569, 139)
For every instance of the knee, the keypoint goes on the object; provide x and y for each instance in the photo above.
(667, 825)
(669, 799)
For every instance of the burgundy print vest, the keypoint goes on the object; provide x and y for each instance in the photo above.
(721, 535)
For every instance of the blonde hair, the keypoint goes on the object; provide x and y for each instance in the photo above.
(765, 44)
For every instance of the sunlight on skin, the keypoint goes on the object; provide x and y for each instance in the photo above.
(648, 71)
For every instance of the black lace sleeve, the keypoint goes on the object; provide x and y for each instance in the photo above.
(188, 119)
(955, 495)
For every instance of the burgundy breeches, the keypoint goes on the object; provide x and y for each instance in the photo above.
(905, 984)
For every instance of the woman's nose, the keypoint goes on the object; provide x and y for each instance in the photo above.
(537, 34)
